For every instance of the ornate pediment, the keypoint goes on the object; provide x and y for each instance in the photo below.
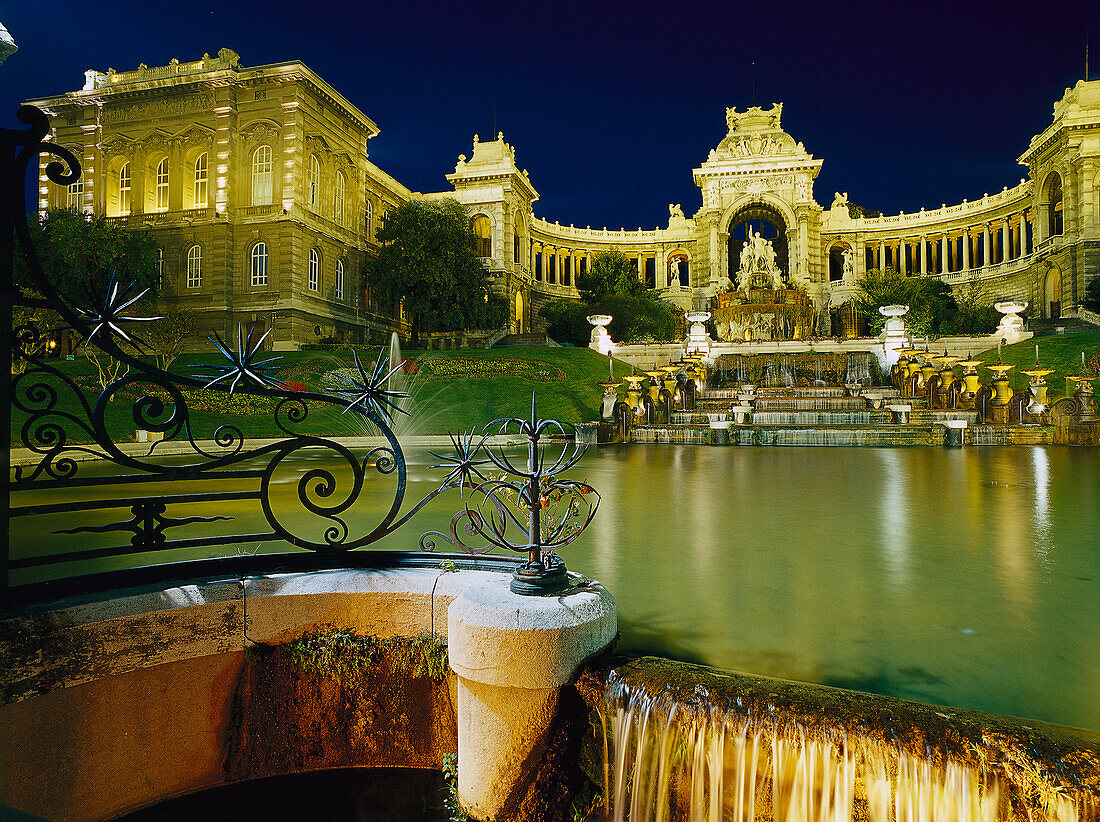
(263, 131)
(117, 145)
(195, 135)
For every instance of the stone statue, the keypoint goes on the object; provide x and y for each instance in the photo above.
(759, 252)
(770, 264)
(674, 274)
(840, 200)
(724, 285)
(675, 211)
(746, 258)
(846, 254)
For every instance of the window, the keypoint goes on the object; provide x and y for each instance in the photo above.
(124, 190)
(262, 176)
(162, 186)
(194, 267)
(1055, 222)
(259, 264)
(338, 199)
(160, 267)
(339, 285)
(76, 194)
(314, 193)
(367, 220)
(483, 230)
(201, 176)
(314, 270)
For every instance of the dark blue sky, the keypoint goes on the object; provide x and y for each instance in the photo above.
(610, 106)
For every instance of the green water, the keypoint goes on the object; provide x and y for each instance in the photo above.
(966, 577)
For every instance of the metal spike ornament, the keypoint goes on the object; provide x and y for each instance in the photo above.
(528, 509)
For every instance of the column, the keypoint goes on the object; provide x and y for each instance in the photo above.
(987, 256)
(1023, 234)
(943, 258)
(901, 256)
(966, 250)
(714, 275)
(641, 267)
(881, 255)
(923, 256)
(1005, 243)
(802, 260)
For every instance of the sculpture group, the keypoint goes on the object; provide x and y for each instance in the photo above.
(758, 257)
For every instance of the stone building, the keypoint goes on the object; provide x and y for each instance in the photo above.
(258, 187)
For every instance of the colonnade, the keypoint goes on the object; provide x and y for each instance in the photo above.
(560, 265)
(962, 249)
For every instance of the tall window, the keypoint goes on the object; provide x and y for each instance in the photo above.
(76, 194)
(483, 230)
(124, 190)
(314, 193)
(314, 270)
(1055, 223)
(201, 177)
(162, 186)
(338, 198)
(339, 285)
(259, 264)
(262, 176)
(194, 267)
(367, 220)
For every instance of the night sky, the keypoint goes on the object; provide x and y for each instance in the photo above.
(610, 106)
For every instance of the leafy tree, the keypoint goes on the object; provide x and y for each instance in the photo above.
(634, 318)
(428, 261)
(933, 306)
(1092, 295)
(975, 313)
(78, 249)
(610, 273)
(165, 338)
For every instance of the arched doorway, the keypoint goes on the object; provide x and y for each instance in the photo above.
(1052, 294)
(751, 220)
(519, 312)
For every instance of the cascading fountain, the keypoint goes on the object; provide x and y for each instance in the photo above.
(688, 744)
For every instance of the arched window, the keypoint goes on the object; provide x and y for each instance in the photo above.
(262, 176)
(313, 196)
(201, 177)
(161, 200)
(259, 264)
(124, 190)
(76, 194)
(1054, 205)
(338, 198)
(194, 267)
(339, 284)
(367, 220)
(314, 270)
(483, 230)
(517, 238)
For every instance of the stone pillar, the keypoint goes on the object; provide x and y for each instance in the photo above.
(512, 654)
(1005, 248)
(1023, 234)
(987, 256)
(714, 275)
(881, 255)
(966, 250)
(943, 253)
(923, 256)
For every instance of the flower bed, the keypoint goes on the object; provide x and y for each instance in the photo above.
(458, 367)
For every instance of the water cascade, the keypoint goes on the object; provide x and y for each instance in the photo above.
(711, 747)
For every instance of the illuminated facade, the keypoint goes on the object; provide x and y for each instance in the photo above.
(257, 184)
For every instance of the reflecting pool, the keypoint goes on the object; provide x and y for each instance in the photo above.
(966, 577)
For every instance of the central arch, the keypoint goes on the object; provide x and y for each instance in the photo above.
(752, 219)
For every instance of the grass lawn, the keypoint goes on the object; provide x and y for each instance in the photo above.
(1062, 352)
(451, 391)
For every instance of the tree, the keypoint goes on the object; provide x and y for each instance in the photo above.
(428, 261)
(610, 273)
(638, 318)
(77, 250)
(933, 307)
(165, 337)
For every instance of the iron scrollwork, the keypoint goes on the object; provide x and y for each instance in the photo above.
(546, 511)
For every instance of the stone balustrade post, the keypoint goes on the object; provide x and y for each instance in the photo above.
(512, 655)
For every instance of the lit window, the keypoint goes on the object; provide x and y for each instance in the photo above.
(162, 186)
(259, 264)
(367, 220)
(339, 286)
(124, 190)
(262, 176)
(338, 199)
(314, 181)
(314, 270)
(76, 194)
(483, 230)
(194, 267)
(201, 177)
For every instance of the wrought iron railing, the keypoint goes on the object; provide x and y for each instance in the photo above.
(169, 504)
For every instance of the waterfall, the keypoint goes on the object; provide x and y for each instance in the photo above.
(691, 760)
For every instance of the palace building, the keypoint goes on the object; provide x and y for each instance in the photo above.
(257, 185)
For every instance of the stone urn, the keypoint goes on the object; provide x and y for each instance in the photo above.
(600, 340)
(1011, 327)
